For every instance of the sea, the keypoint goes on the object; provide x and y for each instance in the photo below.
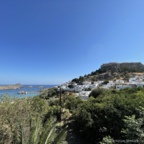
(32, 90)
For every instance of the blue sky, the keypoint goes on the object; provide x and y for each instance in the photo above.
(51, 42)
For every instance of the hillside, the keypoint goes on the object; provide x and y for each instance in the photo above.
(111, 71)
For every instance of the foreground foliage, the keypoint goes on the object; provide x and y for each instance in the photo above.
(22, 122)
(107, 117)
(111, 114)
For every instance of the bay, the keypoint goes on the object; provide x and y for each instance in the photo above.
(32, 90)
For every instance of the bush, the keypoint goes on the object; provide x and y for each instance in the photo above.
(96, 92)
(102, 116)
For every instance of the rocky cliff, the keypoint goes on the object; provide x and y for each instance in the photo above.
(111, 71)
(121, 67)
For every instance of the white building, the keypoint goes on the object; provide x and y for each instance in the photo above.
(86, 83)
(84, 93)
(78, 88)
(93, 86)
(107, 86)
(111, 81)
(64, 87)
(119, 81)
(119, 87)
(140, 84)
(133, 79)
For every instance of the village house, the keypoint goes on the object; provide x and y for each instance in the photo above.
(119, 87)
(119, 81)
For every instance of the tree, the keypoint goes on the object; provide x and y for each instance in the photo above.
(107, 140)
(105, 82)
(96, 92)
(81, 79)
(133, 129)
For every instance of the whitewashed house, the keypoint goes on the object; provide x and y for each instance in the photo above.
(84, 93)
(77, 94)
(64, 87)
(78, 88)
(133, 79)
(100, 82)
(86, 82)
(140, 84)
(107, 86)
(119, 81)
(95, 82)
(93, 86)
(74, 84)
(119, 87)
(111, 81)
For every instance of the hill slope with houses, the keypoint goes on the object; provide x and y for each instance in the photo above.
(110, 75)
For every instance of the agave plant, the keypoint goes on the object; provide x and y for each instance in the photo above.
(51, 134)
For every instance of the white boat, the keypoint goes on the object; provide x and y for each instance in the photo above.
(22, 92)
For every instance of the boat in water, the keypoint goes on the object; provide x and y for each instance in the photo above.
(22, 92)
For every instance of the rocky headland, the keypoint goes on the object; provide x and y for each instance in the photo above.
(9, 87)
(121, 67)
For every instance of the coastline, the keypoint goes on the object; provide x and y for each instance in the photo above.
(30, 90)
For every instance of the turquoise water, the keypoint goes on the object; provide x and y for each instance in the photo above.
(32, 90)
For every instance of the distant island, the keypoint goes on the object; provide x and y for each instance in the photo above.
(9, 87)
